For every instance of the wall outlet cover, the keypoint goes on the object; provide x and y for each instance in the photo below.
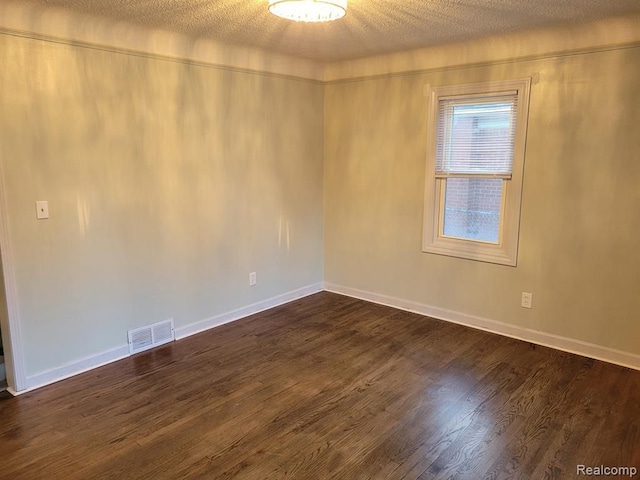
(527, 300)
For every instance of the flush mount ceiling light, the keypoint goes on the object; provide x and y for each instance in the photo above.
(309, 10)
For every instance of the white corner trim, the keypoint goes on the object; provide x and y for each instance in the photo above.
(578, 347)
(535, 44)
(61, 26)
(15, 371)
(252, 309)
(74, 368)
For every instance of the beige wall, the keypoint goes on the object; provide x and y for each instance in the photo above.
(167, 184)
(579, 233)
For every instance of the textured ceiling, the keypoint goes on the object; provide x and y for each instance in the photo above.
(370, 27)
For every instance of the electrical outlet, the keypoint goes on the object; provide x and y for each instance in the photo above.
(253, 279)
(527, 300)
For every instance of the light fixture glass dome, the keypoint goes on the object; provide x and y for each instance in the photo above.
(309, 10)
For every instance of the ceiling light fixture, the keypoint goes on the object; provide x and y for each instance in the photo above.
(309, 10)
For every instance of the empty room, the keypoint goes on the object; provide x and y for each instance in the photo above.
(319, 239)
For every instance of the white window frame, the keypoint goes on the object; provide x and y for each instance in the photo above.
(505, 252)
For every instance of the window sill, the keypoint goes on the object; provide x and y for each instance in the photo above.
(481, 252)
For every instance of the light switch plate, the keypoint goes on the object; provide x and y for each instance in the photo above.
(42, 209)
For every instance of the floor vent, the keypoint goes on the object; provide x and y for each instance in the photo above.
(144, 338)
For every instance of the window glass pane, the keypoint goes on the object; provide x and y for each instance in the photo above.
(476, 137)
(472, 208)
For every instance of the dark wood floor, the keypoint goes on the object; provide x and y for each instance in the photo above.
(329, 387)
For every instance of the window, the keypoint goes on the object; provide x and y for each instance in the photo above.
(475, 161)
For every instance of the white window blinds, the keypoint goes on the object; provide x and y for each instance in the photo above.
(476, 135)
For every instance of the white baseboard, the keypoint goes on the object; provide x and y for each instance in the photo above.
(252, 309)
(578, 347)
(74, 368)
(89, 363)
